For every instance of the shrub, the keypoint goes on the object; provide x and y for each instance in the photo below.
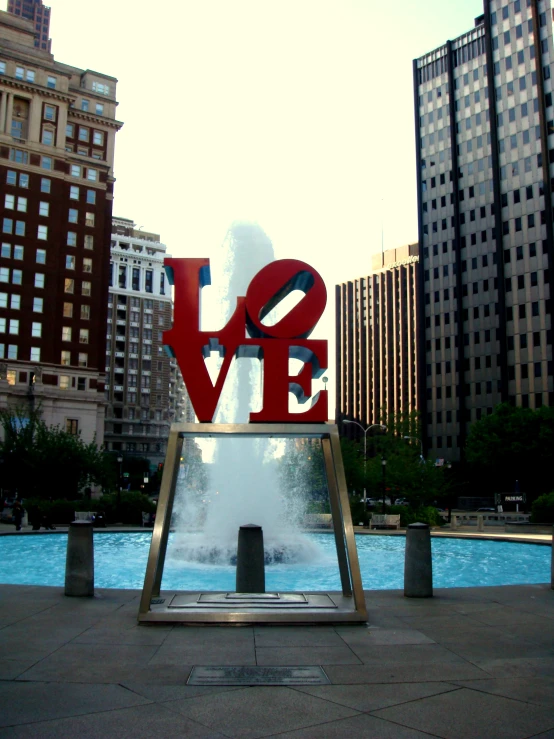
(542, 510)
(132, 504)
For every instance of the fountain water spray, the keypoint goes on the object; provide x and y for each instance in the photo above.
(244, 484)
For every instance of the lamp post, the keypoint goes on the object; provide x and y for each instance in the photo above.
(414, 438)
(373, 425)
(120, 462)
(384, 469)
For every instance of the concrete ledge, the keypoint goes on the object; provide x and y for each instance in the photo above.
(529, 528)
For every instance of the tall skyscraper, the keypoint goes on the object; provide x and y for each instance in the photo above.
(484, 124)
(35, 11)
(57, 138)
(144, 388)
(376, 333)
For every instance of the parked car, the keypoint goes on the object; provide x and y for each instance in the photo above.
(486, 510)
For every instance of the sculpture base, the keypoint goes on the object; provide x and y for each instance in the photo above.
(245, 608)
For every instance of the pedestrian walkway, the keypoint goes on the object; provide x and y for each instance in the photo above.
(470, 662)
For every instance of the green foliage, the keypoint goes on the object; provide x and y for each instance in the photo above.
(61, 511)
(44, 461)
(543, 509)
(423, 514)
(405, 475)
(512, 444)
(132, 504)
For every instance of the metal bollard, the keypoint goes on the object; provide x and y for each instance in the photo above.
(418, 563)
(250, 560)
(79, 563)
(480, 522)
(453, 521)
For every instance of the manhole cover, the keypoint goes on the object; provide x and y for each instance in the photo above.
(252, 675)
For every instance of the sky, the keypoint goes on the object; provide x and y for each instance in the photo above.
(295, 114)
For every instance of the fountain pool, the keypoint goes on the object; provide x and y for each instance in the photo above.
(120, 562)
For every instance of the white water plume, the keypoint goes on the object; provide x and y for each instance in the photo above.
(244, 485)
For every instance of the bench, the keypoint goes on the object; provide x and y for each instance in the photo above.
(385, 521)
(318, 520)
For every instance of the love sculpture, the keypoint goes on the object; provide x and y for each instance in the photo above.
(246, 335)
(273, 345)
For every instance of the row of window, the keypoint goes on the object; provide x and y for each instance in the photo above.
(133, 276)
(518, 251)
(11, 351)
(76, 170)
(67, 334)
(13, 301)
(84, 134)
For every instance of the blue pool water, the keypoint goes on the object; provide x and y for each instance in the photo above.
(120, 562)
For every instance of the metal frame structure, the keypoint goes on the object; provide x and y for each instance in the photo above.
(315, 607)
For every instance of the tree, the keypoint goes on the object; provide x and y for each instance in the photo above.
(512, 444)
(44, 461)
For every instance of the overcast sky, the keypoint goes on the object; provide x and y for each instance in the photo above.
(297, 114)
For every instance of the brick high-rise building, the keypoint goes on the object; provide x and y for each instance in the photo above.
(57, 137)
(35, 11)
(144, 388)
(376, 334)
(485, 165)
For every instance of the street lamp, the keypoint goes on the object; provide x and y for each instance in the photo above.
(414, 438)
(120, 462)
(373, 425)
(384, 468)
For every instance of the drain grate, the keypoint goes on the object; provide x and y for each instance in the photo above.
(157, 601)
(253, 675)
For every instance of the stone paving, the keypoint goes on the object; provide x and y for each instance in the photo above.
(470, 662)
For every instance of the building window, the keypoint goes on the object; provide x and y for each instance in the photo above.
(83, 335)
(7, 225)
(72, 426)
(73, 215)
(71, 238)
(39, 280)
(148, 280)
(22, 205)
(44, 209)
(86, 288)
(99, 109)
(98, 138)
(4, 274)
(70, 130)
(101, 88)
(6, 251)
(85, 312)
(9, 202)
(15, 301)
(20, 228)
(36, 329)
(51, 82)
(92, 174)
(68, 310)
(12, 354)
(42, 233)
(46, 162)
(45, 184)
(66, 333)
(83, 359)
(91, 197)
(89, 241)
(69, 262)
(18, 252)
(3, 300)
(74, 192)
(75, 170)
(17, 277)
(38, 305)
(47, 138)
(89, 219)
(87, 265)
(19, 156)
(65, 358)
(35, 354)
(69, 285)
(83, 134)
(84, 104)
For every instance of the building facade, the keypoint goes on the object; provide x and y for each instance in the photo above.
(376, 334)
(57, 138)
(144, 388)
(485, 158)
(35, 11)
